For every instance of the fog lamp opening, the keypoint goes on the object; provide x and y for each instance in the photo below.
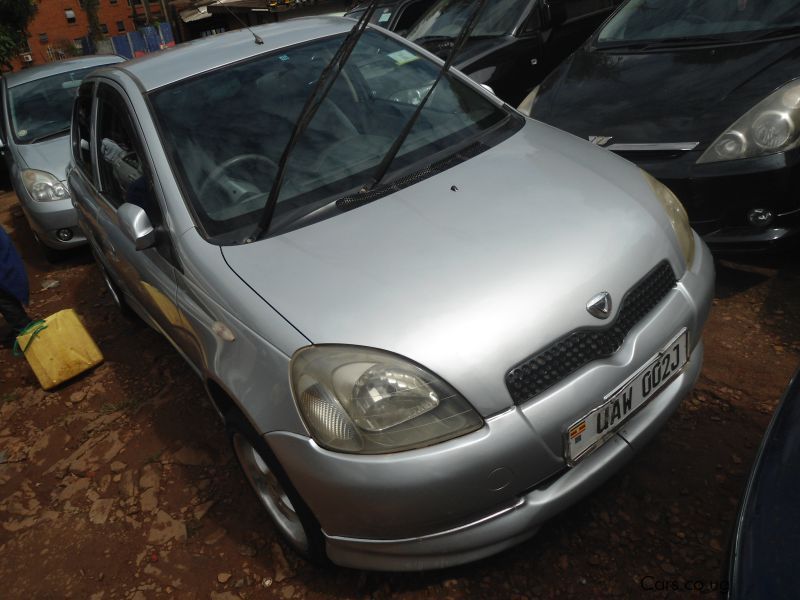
(760, 217)
(64, 235)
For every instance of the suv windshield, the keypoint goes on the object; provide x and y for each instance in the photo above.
(446, 18)
(42, 108)
(663, 20)
(226, 130)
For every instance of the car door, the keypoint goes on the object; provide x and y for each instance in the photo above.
(122, 174)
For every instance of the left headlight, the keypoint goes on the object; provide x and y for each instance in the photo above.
(43, 187)
(366, 401)
(677, 217)
(772, 125)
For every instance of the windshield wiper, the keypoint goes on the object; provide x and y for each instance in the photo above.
(47, 136)
(776, 32)
(313, 102)
(384, 165)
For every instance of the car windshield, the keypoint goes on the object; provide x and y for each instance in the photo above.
(446, 18)
(381, 16)
(42, 108)
(664, 20)
(225, 130)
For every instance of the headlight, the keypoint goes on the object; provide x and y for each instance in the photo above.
(526, 106)
(366, 401)
(677, 217)
(43, 187)
(772, 125)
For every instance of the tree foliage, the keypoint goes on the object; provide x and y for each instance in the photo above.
(15, 15)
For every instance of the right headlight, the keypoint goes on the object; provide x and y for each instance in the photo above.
(366, 401)
(43, 186)
(772, 125)
(677, 217)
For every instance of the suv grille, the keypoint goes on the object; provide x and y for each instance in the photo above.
(546, 368)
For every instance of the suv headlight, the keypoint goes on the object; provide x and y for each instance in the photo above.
(43, 187)
(677, 217)
(772, 125)
(526, 106)
(365, 401)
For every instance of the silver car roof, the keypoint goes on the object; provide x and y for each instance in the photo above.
(63, 66)
(206, 54)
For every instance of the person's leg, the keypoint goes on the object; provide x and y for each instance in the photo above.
(13, 312)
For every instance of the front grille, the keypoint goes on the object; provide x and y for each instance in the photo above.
(546, 368)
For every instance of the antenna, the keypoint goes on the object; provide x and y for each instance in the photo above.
(256, 38)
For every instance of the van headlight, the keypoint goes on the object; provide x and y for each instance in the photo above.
(366, 401)
(677, 217)
(43, 187)
(772, 125)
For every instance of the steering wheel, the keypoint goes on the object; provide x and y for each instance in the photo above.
(217, 173)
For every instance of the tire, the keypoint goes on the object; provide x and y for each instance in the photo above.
(289, 513)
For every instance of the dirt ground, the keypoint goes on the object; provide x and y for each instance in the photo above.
(121, 484)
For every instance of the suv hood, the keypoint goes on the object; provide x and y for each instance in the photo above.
(49, 155)
(680, 95)
(470, 282)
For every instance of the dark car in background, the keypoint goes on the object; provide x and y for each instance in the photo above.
(763, 558)
(703, 95)
(515, 43)
(395, 15)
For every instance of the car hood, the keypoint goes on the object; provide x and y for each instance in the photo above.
(681, 95)
(49, 155)
(474, 269)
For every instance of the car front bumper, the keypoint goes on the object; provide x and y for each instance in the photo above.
(476, 495)
(721, 197)
(47, 218)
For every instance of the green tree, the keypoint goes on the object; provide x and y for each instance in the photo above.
(15, 15)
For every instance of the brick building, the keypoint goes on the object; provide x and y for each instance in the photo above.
(59, 26)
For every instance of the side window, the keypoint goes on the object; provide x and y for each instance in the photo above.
(123, 173)
(534, 22)
(577, 9)
(411, 14)
(81, 120)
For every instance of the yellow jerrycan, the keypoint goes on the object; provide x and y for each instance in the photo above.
(58, 348)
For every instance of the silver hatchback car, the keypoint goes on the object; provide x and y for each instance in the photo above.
(35, 108)
(416, 369)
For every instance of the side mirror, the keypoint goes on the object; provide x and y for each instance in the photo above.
(554, 13)
(136, 226)
(488, 88)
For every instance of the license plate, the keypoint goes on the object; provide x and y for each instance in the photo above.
(590, 432)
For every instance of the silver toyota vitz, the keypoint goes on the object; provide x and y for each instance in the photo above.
(35, 109)
(429, 323)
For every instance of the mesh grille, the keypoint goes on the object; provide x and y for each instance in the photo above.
(546, 368)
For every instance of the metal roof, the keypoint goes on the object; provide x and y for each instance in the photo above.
(206, 54)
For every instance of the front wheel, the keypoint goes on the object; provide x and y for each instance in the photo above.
(274, 491)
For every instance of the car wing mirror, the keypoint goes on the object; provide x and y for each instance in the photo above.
(136, 226)
(488, 88)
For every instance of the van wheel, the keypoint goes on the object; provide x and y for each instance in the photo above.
(290, 515)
